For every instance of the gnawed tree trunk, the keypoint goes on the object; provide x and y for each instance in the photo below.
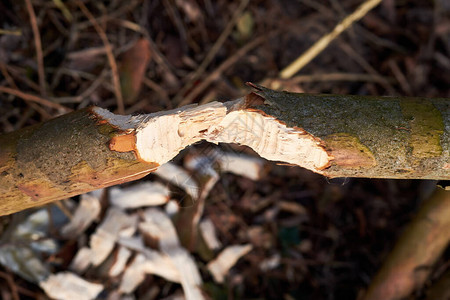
(332, 135)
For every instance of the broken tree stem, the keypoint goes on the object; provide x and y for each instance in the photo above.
(332, 135)
(410, 263)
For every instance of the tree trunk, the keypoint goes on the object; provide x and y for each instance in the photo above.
(332, 135)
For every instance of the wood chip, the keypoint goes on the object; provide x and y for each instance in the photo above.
(220, 266)
(172, 207)
(133, 275)
(151, 262)
(139, 195)
(120, 261)
(270, 263)
(203, 166)
(240, 164)
(69, 286)
(158, 225)
(81, 261)
(179, 177)
(87, 211)
(103, 240)
(148, 262)
(209, 234)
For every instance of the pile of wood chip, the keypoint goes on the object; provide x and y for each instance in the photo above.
(128, 232)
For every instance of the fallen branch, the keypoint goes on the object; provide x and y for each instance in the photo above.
(332, 135)
(409, 264)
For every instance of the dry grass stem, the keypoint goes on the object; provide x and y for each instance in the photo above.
(321, 44)
(33, 98)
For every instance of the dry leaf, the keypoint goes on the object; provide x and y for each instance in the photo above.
(132, 69)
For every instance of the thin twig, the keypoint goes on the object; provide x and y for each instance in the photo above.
(212, 52)
(33, 98)
(19, 74)
(218, 71)
(109, 54)
(401, 78)
(321, 44)
(339, 77)
(361, 61)
(175, 16)
(86, 93)
(8, 77)
(16, 32)
(38, 45)
(12, 285)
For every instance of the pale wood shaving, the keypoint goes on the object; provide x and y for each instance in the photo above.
(103, 240)
(158, 225)
(179, 177)
(81, 261)
(292, 207)
(133, 275)
(87, 211)
(69, 286)
(240, 164)
(172, 208)
(120, 261)
(209, 234)
(220, 266)
(148, 262)
(139, 195)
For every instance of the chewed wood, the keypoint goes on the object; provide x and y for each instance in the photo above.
(333, 135)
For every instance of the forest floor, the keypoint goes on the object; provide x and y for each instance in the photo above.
(308, 237)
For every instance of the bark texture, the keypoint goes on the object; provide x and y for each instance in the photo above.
(336, 136)
(61, 158)
(384, 137)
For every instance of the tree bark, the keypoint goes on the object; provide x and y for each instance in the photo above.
(383, 137)
(336, 136)
(63, 157)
